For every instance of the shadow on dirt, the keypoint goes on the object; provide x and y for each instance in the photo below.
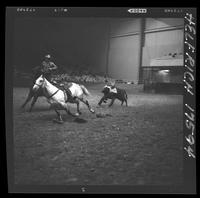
(66, 118)
(34, 110)
(80, 120)
(40, 109)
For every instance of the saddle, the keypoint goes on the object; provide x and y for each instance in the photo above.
(67, 93)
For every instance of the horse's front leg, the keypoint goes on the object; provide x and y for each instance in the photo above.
(30, 95)
(87, 104)
(33, 103)
(60, 120)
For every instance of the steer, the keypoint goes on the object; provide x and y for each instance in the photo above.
(111, 92)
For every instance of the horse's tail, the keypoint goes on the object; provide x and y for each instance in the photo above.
(85, 91)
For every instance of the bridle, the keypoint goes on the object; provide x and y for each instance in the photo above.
(38, 85)
(51, 94)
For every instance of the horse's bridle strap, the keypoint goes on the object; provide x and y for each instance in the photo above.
(50, 95)
(37, 85)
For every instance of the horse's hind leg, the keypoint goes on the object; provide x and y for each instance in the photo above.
(78, 104)
(70, 113)
(64, 106)
(87, 104)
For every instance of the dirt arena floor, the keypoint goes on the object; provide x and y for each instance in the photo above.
(136, 145)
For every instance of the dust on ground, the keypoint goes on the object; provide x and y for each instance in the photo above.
(136, 145)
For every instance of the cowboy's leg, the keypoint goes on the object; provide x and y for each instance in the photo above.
(69, 95)
(67, 92)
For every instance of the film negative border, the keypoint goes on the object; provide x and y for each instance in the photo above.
(189, 79)
(189, 102)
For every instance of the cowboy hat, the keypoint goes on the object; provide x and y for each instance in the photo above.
(47, 56)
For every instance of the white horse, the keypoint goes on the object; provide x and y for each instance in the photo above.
(58, 99)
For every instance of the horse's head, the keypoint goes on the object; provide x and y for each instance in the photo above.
(39, 83)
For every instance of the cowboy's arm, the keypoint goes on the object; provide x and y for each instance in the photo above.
(53, 66)
(43, 66)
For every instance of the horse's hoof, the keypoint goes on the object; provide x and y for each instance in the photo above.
(92, 111)
(58, 121)
(77, 114)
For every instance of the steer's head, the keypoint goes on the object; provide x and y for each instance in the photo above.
(106, 89)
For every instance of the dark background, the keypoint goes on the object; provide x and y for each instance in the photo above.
(72, 42)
